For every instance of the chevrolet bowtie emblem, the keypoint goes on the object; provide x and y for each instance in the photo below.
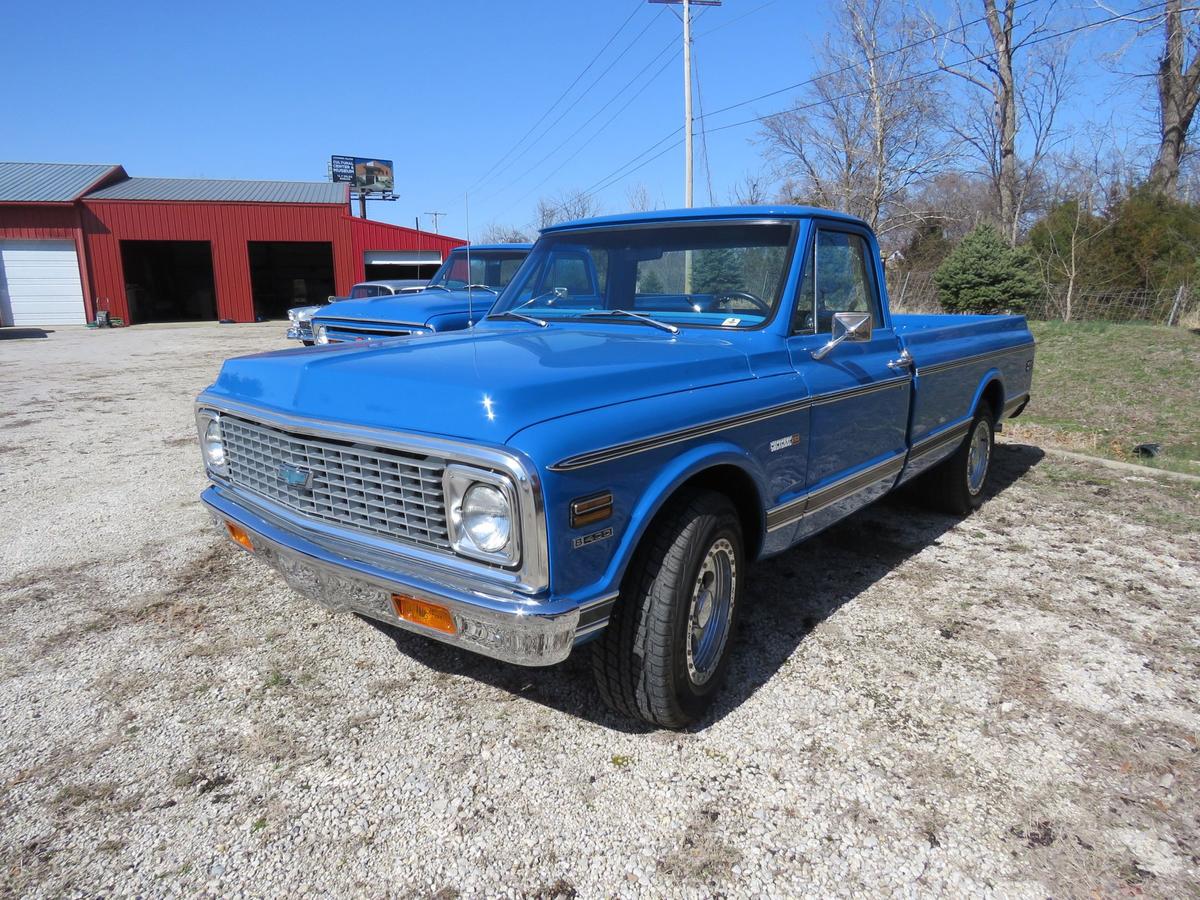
(294, 476)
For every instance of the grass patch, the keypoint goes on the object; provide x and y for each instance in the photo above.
(1103, 388)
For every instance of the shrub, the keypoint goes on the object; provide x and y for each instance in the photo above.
(983, 274)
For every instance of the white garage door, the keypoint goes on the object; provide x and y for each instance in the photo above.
(39, 284)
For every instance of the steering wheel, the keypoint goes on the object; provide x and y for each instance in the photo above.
(760, 305)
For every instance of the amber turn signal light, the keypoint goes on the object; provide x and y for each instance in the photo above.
(589, 510)
(422, 612)
(239, 535)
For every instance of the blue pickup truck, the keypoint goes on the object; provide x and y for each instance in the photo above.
(655, 402)
(460, 292)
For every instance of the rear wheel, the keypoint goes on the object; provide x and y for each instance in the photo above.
(665, 651)
(957, 485)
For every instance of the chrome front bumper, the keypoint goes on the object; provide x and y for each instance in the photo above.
(509, 627)
(300, 332)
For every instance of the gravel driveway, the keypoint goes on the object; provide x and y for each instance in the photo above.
(1003, 705)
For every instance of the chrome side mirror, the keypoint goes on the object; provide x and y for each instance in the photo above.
(854, 327)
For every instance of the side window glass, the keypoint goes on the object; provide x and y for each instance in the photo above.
(842, 283)
(802, 318)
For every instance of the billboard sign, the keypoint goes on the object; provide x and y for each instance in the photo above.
(365, 175)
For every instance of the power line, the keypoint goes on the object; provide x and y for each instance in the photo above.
(545, 131)
(636, 6)
(703, 130)
(645, 84)
(939, 70)
(625, 171)
(589, 121)
(962, 26)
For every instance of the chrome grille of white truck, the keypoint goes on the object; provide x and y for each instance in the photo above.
(378, 490)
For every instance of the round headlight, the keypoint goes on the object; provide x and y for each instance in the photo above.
(487, 517)
(319, 334)
(214, 446)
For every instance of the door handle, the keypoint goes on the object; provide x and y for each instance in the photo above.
(904, 362)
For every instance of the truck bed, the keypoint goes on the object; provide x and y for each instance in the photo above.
(955, 356)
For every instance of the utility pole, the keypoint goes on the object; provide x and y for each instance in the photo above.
(436, 216)
(687, 104)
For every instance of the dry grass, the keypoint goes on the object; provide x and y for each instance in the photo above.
(1102, 388)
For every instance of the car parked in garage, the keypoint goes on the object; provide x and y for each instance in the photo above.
(461, 292)
(656, 401)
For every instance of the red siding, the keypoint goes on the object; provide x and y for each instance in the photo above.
(48, 222)
(228, 227)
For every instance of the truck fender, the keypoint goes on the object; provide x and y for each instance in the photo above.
(991, 375)
(681, 469)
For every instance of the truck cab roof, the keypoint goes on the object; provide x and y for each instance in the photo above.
(706, 214)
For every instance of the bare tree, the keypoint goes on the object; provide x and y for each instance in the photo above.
(1177, 78)
(567, 205)
(1022, 89)
(637, 198)
(504, 234)
(1074, 221)
(870, 130)
(750, 191)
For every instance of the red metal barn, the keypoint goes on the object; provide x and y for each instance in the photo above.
(75, 238)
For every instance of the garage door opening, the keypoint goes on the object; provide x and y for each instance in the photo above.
(284, 274)
(381, 272)
(386, 265)
(169, 281)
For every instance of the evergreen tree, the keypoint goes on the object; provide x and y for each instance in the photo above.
(718, 271)
(650, 283)
(985, 275)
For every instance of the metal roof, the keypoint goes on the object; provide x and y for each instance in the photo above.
(25, 182)
(223, 190)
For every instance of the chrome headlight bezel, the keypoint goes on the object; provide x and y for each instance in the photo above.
(208, 427)
(298, 315)
(457, 481)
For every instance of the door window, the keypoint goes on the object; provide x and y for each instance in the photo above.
(836, 279)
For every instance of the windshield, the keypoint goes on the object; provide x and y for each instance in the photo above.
(722, 275)
(494, 268)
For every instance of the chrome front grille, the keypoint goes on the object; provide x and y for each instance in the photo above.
(343, 330)
(377, 490)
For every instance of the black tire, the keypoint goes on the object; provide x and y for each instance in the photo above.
(309, 343)
(950, 486)
(641, 663)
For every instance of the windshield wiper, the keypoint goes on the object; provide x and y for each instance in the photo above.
(510, 314)
(633, 315)
(482, 287)
(516, 314)
(430, 287)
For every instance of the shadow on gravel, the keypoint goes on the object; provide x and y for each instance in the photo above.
(17, 334)
(788, 596)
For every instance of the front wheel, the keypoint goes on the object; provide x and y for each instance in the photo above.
(957, 485)
(665, 651)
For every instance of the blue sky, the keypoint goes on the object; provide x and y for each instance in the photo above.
(256, 90)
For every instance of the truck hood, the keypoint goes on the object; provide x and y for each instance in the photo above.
(486, 384)
(416, 309)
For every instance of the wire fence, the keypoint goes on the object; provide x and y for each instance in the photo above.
(915, 292)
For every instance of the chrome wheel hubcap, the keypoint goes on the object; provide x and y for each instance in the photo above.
(711, 611)
(979, 456)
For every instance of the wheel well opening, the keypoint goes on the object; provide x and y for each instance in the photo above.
(993, 396)
(741, 490)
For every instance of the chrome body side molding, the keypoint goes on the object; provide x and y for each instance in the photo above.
(664, 439)
(815, 501)
(970, 360)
